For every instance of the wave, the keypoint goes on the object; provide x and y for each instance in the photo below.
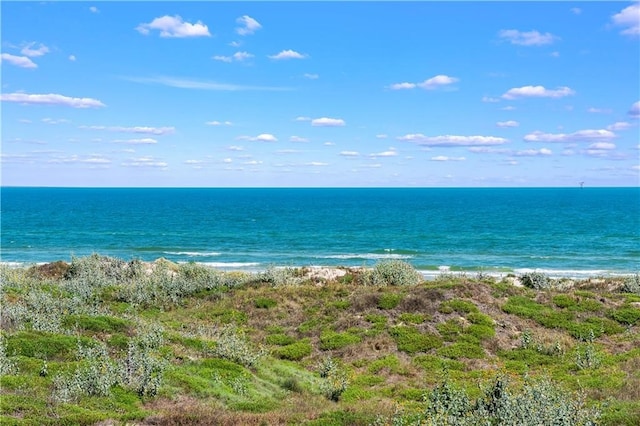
(230, 264)
(192, 253)
(368, 256)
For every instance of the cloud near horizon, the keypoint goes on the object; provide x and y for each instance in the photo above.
(51, 99)
(328, 122)
(288, 54)
(432, 83)
(527, 38)
(452, 140)
(19, 61)
(579, 136)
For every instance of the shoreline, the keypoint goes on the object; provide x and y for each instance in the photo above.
(333, 271)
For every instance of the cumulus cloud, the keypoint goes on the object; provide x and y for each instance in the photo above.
(328, 122)
(141, 141)
(311, 76)
(602, 146)
(49, 120)
(389, 153)
(135, 129)
(263, 137)
(29, 50)
(302, 118)
(619, 125)
(429, 84)
(19, 61)
(349, 153)
(94, 9)
(490, 99)
(576, 10)
(218, 123)
(72, 58)
(298, 139)
(237, 57)
(51, 99)
(235, 148)
(509, 123)
(174, 26)
(382, 136)
(288, 54)
(579, 136)
(445, 158)
(453, 140)
(316, 164)
(537, 92)
(629, 18)
(594, 110)
(146, 162)
(634, 111)
(248, 25)
(527, 38)
(533, 152)
(488, 150)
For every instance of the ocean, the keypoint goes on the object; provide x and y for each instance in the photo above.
(559, 231)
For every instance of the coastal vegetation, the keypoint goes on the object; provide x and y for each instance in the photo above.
(104, 341)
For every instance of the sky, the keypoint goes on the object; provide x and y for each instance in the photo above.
(320, 94)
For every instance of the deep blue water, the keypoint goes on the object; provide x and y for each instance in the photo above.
(563, 231)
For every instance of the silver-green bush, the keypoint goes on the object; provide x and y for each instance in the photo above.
(392, 273)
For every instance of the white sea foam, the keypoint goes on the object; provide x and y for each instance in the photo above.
(230, 264)
(192, 253)
(371, 256)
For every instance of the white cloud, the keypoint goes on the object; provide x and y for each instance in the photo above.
(509, 123)
(19, 61)
(134, 129)
(218, 123)
(382, 136)
(490, 99)
(235, 44)
(223, 58)
(576, 10)
(263, 137)
(248, 25)
(316, 164)
(453, 140)
(287, 151)
(349, 153)
(174, 26)
(390, 153)
(602, 146)
(141, 141)
(235, 148)
(437, 81)
(298, 139)
(579, 136)
(238, 57)
(185, 83)
(402, 86)
(488, 150)
(429, 84)
(620, 125)
(445, 158)
(555, 54)
(327, 122)
(311, 76)
(301, 118)
(33, 53)
(94, 9)
(527, 38)
(628, 17)
(533, 152)
(508, 108)
(72, 58)
(329, 143)
(51, 99)
(227, 160)
(634, 111)
(54, 121)
(594, 110)
(288, 54)
(145, 162)
(252, 163)
(537, 92)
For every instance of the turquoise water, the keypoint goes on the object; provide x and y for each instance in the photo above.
(561, 231)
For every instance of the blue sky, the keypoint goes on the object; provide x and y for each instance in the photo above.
(320, 94)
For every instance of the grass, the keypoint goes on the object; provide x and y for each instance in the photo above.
(187, 344)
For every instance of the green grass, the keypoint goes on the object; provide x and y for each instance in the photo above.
(409, 339)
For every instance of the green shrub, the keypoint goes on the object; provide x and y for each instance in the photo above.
(564, 301)
(264, 303)
(632, 284)
(334, 384)
(332, 340)
(462, 350)
(279, 339)
(409, 339)
(97, 324)
(450, 330)
(457, 305)
(480, 332)
(412, 318)
(389, 300)
(231, 344)
(480, 319)
(626, 315)
(294, 351)
(393, 273)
